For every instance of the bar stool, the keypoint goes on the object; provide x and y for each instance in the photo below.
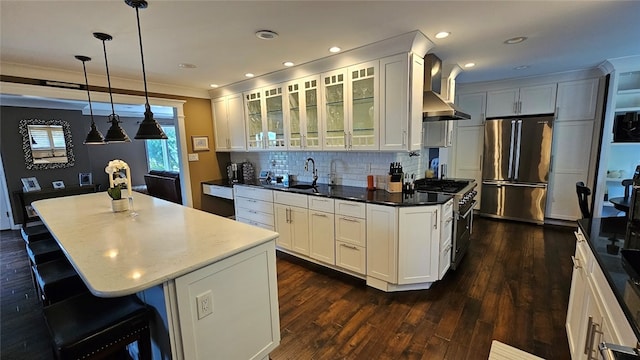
(89, 327)
(57, 280)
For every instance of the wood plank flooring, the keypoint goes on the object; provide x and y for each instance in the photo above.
(513, 286)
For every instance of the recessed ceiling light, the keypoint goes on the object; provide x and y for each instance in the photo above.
(249, 75)
(521, 67)
(469, 65)
(186, 66)
(515, 40)
(214, 85)
(334, 49)
(442, 34)
(266, 34)
(288, 63)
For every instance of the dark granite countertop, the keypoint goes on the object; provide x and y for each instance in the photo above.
(599, 233)
(380, 197)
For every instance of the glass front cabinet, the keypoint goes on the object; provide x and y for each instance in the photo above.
(303, 132)
(351, 108)
(265, 119)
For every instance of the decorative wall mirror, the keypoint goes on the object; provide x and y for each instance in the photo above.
(46, 144)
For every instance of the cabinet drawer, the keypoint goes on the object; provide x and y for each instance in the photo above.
(351, 230)
(447, 209)
(351, 257)
(255, 223)
(350, 208)
(445, 259)
(321, 204)
(253, 193)
(290, 199)
(256, 205)
(253, 215)
(446, 233)
(218, 191)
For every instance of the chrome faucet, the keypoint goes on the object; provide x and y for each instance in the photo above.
(314, 171)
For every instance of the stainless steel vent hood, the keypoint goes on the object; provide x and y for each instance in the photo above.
(434, 107)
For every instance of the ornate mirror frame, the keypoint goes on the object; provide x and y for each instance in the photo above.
(26, 144)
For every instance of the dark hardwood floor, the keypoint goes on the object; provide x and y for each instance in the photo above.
(513, 286)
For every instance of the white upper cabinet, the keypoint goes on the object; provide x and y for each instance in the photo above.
(351, 108)
(474, 105)
(540, 99)
(577, 100)
(228, 122)
(265, 119)
(401, 84)
(301, 102)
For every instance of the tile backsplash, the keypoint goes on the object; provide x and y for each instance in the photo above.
(349, 168)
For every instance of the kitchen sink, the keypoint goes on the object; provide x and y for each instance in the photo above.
(302, 186)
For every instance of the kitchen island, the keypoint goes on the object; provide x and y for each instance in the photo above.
(174, 257)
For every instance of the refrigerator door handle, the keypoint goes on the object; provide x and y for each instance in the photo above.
(516, 172)
(510, 174)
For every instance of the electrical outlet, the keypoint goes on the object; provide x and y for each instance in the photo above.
(204, 302)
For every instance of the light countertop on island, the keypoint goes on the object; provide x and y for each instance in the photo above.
(118, 254)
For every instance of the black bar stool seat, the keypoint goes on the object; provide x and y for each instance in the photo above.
(89, 327)
(35, 233)
(42, 251)
(57, 280)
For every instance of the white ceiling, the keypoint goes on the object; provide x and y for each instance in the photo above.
(218, 36)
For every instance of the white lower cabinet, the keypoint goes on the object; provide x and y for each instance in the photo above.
(292, 221)
(593, 315)
(322, 236)
(351, 235)
(351, 257)
(404, 246)
(254, 206)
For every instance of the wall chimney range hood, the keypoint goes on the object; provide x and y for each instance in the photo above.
(434, 107)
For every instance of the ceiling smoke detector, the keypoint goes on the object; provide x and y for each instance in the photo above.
(266, 34)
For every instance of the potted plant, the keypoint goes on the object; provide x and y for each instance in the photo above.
(117, 180)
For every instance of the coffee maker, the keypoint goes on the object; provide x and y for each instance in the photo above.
(234, 172)
(632, 238)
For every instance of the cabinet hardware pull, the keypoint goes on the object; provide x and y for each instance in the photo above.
(449, 220)
(435, 223)
(349, 246)
(320, 214)
(594, 330)
(345, 140)
(515, 107)
(557, 112)
(404, 137)
(349, 220)
(576, 262)
(588, 337)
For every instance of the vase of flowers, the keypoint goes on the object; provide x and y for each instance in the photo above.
(119, 178)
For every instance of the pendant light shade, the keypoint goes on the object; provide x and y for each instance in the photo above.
(115, 132)
(94, 137)
(149, 128)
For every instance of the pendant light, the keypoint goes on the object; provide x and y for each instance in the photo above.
(149, 128)
(94, 137)
(115, 132)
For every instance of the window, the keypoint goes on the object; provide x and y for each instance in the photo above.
(163, 154)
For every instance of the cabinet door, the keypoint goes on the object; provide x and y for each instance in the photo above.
(575, 312)
(334, 89)
(220, 124)
(468, 152)
(285, 240)
(502, 102)
(256, 139)
(474, 105)
(394, 102)
(577, 100)
(571, 151)
(322, 237)
(294, 105)
(362, 132)
(382, 242)
(537, 100)
(275, 119)
(299, 227)
(437, 133)
(418, 244)
(351, 230)
(416, 86)
(351, 257)
(312, 128)
(235, 116)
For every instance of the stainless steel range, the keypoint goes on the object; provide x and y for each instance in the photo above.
(464, 193)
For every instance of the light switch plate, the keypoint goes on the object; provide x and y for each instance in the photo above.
(204, 303)
(193, 157)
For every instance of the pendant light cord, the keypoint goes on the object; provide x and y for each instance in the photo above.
(86, 81)
(144, 75)
(104, 48)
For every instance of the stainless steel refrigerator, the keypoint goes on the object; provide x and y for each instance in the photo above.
(517, 153)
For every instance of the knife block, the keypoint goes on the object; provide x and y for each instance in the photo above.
(394, 187)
